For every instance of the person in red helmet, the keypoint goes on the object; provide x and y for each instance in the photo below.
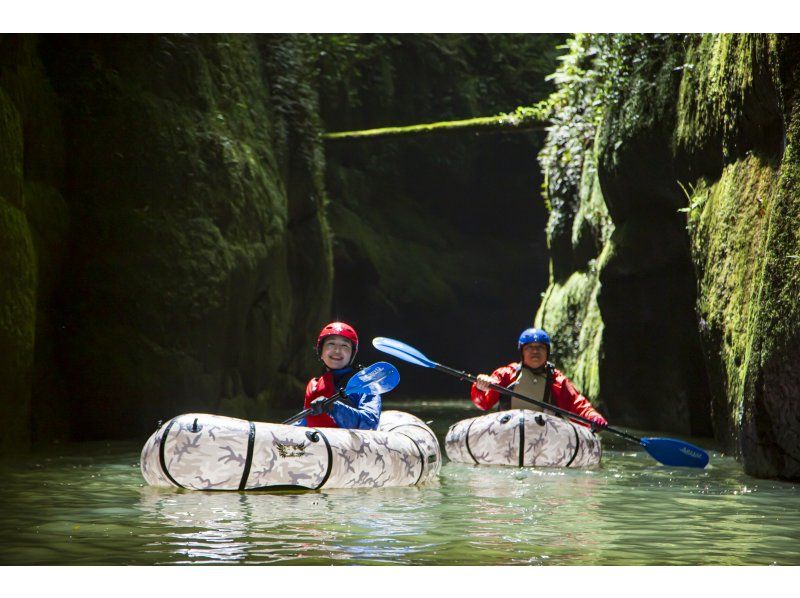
(535, 377)
(337, 345)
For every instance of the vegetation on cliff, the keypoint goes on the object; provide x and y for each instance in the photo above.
(169, 230)
(693, 314)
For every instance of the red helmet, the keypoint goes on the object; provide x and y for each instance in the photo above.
(339, 329)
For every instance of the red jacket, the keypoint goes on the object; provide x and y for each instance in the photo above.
(320, 387)
(357, 411)
(562, 394)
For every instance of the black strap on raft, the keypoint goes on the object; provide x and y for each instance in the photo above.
(162, 458)
(466, 442)
(431, 434)
(251, 438)
(577, 443)
(431, 458)
(421, 457)
(330, 458)
(521, 426)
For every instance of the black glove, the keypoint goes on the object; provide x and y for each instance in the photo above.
(319, 406)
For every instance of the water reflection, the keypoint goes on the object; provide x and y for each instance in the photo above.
(311, 527)
(527, 515)
(87, 504)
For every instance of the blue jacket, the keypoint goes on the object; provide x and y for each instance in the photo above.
(360, 412)
(363, 415)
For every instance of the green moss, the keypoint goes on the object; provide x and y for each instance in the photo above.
(747, 280)
(19, 279)
(719, 74)
(781, 275)
(524, 118)
(575, 112)
(201, 262)
(706, 114)
(639, 85)
(11, 158)
(592, 225)
(587, 368)
(570, 314)
(17, 324)
(772, 380)
(579, 225)
(729, 235)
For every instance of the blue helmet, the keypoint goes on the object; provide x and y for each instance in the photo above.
(533, 335)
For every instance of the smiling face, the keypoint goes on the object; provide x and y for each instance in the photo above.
(534, 355)
(336, 352)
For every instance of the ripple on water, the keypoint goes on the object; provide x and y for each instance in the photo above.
(87, 504)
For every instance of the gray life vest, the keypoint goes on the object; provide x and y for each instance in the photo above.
(531, 384)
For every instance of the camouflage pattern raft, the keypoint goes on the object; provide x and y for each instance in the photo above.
(211, 452)
(523, 438)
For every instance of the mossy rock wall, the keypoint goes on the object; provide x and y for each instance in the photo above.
(164, 228)
(744, 225)
(33, 227)
(698, 286)
(201, 194)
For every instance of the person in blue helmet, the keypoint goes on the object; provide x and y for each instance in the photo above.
(337, 345)
(535, 377)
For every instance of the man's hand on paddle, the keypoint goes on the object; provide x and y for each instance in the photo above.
(484, 381)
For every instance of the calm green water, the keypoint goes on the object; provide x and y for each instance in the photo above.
(87, 504)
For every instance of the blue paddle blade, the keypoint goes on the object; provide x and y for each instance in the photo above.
(670, 451)
(401, 351)
(374, 379)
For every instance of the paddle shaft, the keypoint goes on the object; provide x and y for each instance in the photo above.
(507, 391)
(667, 451)
(308, 411)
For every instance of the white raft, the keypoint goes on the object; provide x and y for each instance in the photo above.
(523, 438)
(211, 452)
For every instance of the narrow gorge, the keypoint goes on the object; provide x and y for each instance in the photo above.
(174, 227)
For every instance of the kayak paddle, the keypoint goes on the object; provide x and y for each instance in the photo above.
(668, 451)
(375, 379)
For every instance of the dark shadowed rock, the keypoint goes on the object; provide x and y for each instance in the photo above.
(172, 252)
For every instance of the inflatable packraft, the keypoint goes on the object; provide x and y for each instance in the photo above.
(211, 452)
(523, 438)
